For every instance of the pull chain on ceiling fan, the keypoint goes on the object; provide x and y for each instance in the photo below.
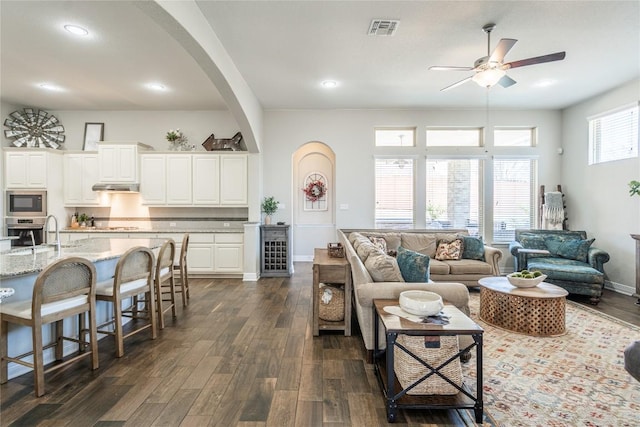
(491, 70)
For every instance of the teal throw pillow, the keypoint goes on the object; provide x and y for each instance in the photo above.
(553, 243)
(473, 248)
(532, 241)
(577, 249)
(414, 266)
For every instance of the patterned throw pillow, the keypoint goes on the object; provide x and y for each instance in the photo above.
(532, 241)
(379, 242)
(577, 249)
(473, 248)
(414, 266)
(449, 250)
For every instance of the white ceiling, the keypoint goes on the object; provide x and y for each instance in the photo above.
(284, 49)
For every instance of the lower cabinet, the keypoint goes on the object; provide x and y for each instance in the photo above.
(200, 253)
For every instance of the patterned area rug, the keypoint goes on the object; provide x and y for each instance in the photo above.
(577, 379)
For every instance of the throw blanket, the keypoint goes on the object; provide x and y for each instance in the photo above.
(552, 211)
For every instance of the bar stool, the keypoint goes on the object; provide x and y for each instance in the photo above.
(65, 288)
(133, 277)
(181, 268)
(165, 281)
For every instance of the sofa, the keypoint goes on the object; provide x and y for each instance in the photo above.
(382, 280)
(567, 257)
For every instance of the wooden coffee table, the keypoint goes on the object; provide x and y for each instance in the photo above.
(395, 395)
(538, 311)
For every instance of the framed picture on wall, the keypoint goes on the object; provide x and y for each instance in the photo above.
(93, 132)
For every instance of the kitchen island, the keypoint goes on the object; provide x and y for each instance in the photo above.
(20, 267)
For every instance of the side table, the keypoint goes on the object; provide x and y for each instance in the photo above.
(336, 271)
(383, 360)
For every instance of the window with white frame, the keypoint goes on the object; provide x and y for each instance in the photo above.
(454, 194)
(395, 137)
(454, 137)
(394, 193)
(613, 135)
(514, 181)
(514, 137)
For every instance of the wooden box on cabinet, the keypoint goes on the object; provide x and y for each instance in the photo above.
(275, 251)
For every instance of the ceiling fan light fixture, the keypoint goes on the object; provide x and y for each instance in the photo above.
(76, 30)
(488, 77)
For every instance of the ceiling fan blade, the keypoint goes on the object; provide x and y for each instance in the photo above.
(506, 81)
(447, 68)
(456, 84)
(558, 56)
(504, 46)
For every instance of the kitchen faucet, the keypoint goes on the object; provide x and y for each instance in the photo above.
(46, 234)
(33, 242)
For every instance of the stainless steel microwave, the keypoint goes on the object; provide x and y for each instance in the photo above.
(26, 203)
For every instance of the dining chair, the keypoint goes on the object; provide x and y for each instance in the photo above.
(133, 277)
(65, 288)
(181, 268)
(165, 281)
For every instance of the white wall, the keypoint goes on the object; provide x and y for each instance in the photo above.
(598, 196)
(350, 133)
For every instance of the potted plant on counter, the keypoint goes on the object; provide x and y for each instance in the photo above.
(82, 219)
(269, 207)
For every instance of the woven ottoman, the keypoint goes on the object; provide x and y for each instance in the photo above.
(632, 359)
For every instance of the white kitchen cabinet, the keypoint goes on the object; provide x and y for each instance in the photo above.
(233, 179)
(26, 169)
(200, 254)
(179, 179)
(80, 174)
(153, 185)
(228, 253)
(206, 179)
(118, 162)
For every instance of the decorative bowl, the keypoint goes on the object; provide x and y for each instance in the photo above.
(521, 282)
(420, 303)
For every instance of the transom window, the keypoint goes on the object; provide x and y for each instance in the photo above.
(454, 137)
(395, 137)
(514, 137)
(613, 135)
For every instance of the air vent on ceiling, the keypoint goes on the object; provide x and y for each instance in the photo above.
(383, 27)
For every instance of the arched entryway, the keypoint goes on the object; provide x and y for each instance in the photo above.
(313, 201)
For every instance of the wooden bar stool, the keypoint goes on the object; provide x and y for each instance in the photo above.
(181, 268)
(133, 277)
(63, 289)
(165, 281)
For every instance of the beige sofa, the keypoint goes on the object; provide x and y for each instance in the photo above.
(447, 278)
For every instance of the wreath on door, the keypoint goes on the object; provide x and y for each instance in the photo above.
(315, 192)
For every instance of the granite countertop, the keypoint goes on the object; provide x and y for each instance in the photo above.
(132, 230)
(22, 261)
(8, 237)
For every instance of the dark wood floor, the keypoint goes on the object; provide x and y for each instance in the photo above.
(241, 354)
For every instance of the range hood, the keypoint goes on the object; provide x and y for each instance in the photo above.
(113, 187)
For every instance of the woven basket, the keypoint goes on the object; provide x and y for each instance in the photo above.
(408, 370)
(336, 250)
(330, 303)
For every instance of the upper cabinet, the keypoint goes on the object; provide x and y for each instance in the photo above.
(32, 168)
(118, 162)
(80, 173)
(188, 179)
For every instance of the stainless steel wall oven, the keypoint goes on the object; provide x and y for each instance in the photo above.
(29, 231)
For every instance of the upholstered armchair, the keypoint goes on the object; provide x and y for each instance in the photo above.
(567, 258)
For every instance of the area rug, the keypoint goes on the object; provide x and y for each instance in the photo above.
(577, 379)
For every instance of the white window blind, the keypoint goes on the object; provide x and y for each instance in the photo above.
(514, 181)
(394, 193)
(454, 194)
(613, 136)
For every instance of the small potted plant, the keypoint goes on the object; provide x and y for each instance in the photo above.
(82, 219)
(269, 207)
(634, 188)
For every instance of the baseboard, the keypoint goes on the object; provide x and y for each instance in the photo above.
(303, 258)
(619, 287)
(250, 277)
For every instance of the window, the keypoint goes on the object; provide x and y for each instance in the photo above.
(442, 137)
(514, 137)
(396, 137)
(613, 135)
(514, 180)
(454, 194)
(394, 193)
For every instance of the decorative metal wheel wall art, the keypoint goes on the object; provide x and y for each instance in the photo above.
(315, 191)
(33, 128)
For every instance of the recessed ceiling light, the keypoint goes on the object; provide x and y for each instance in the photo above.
(329, 84)
(49, 86)
(76, 30)
(156, 86)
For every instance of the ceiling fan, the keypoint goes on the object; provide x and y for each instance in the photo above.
(491, 70)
